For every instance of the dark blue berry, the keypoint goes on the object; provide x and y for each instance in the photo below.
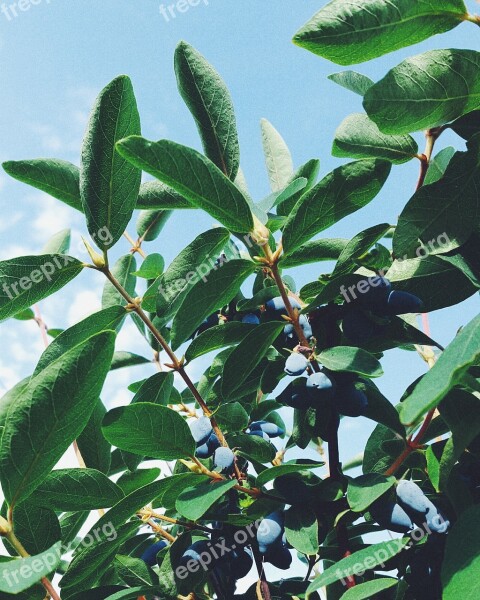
(270, 530)
(296, 364)
(351, 401)
(206, 450)
(201, 430)
(251, 318)
(296, 396)
(320, 386)
(277, 305)
(391, 515)
(279, 556)
(400, 303)
(150, 555)
(373, 293)
(270, 429)
(223, 460)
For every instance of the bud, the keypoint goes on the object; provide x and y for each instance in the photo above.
(97, 259)
(260, 234)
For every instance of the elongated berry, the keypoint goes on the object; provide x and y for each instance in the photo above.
(223, 460)
(400, 303)
(150, 555)
(279, 556)
(351, 401)
(422, 510)
(201, 429)
(391, 515)
(270, 429)
(206, 450)
(251, 319)
(277, 305)
(372, 293)
(319, 385)
(296, 364)
(270, 530)
(296, 396)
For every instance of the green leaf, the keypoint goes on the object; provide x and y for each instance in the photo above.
(432, 279)
(468, 125)
(358, 137)
(127, 507)
(133, 571)
(466, 258)
(157, 195)
(194, 502)
(438, 165)
(77, 489)
(312, 252)
(193, 176)
(363, 560)
(348, 358)
(217, 337)
(95, 449)
(32, 570)
(129, 482)
(58, 243)
(365, 489)
(460, 411)
(232, 417)
(442, 216)
(308, 171)
(447, 372)
(123, 271)
(89, 564)
(50, 413)
(348, 33)
(301, 529)
(277, 157)
(253, 447)
(149, 430)
(194, 262)
(340, 193)
(357, 247)
(103, 320)
(425, 91)
(109, 185)
(210, 103)
(56, 177)
(27, 279)
(379, 409)
(36, 527)
(122, 359)
(293, 190)
(363, 591)
(353, 81)
(248, 354)
(157, 389)
(150, 223)
(204, 297)
(461, 565)
(152, 267)
(383, 447)
(296, 466)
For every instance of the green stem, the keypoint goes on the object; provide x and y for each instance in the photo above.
(16, 543)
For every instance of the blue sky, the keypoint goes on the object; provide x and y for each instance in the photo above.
(57, 56)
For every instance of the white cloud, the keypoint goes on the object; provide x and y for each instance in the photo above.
(84, 304)
(52, 216)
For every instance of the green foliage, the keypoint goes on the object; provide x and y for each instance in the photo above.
(222, 439)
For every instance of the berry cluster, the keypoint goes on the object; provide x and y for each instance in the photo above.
(265, 430)
(410, 508)
(378, 300)
(336, 388)
(271, 541)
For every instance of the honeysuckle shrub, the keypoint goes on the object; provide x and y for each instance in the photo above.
(189, 489)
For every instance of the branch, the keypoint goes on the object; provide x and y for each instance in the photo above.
(15, 542)
(134, 304)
